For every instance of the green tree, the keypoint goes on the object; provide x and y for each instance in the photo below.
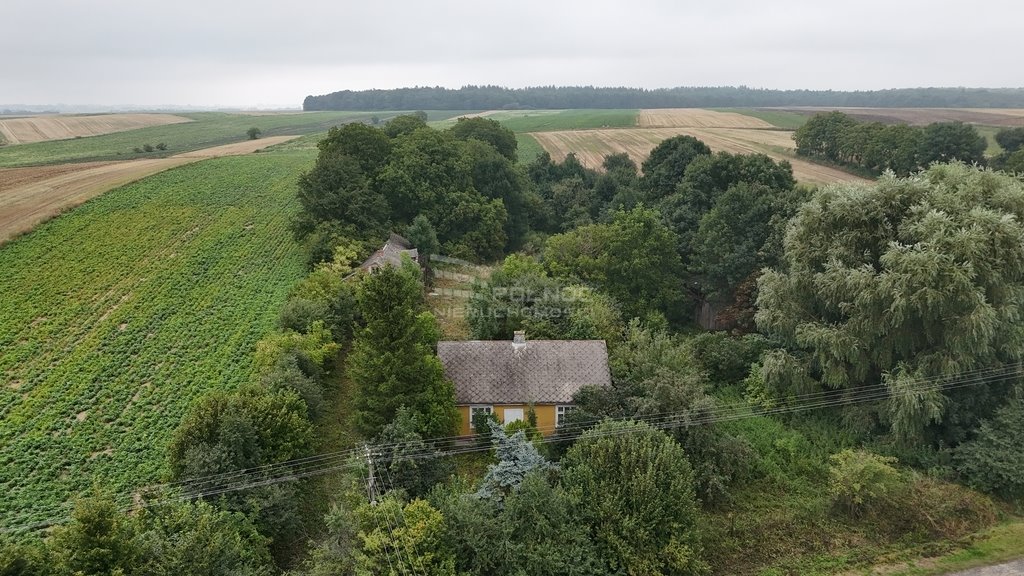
(406, 124)
(631, 259)
(253, 133)
(517, 457)
(947, 141)
(822, 136)
(667, 163)
(410, 463)
(860, 481)
(1010, 139)
(337, 191)
(910, 279)
(486, 130)
(633, 486)
(392, 362)
(403, 539)
(422, 235)
(98, 541)
(993, 460)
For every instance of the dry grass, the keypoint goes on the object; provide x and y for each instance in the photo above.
(591, 146)
(58, 127)
(698, 118)
(30, 196)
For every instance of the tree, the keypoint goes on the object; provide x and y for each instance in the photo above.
(422, 235)
(822, 135)
(632, 259)
(633, 486)
(947, 141)
(909, 280)
(410, 464)
(517, 458)
(486, 130)
(392, 363)
(666, 164)
(403, 539)
(98, 541)
(253, 133)
(1010, 139)
(993, 460)
(338, 191)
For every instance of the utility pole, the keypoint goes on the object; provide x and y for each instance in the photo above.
(371, 482)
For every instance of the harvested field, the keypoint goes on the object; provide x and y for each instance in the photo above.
(58, 127)
(591, 146)
(921, 116)
(698, 118)
(30, 196)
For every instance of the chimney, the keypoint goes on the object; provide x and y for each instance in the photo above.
(519, 340)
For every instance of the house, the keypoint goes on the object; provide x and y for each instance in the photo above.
(507, 378)
(391, 254)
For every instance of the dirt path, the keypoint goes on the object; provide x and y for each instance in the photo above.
(30, 196)
(1009, 569)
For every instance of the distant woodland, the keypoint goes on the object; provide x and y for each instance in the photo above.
(555, 97)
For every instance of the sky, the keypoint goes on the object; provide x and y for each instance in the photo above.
(271, 54)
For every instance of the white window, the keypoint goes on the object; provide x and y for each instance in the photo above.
(475, 411)
(513, 415)
(561, 412)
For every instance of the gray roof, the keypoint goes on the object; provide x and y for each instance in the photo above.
(539, 371)
(391, 253)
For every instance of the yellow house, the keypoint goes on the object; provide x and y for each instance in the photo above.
(507, 379)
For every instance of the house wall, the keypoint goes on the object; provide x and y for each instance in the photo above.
(545, 416)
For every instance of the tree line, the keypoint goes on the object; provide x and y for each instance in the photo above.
(557, 97)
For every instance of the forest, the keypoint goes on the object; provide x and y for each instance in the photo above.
(860, 391)
(559, 97)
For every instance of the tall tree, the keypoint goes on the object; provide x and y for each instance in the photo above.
(667, 163)
(392, 362)
(947, 141)
(908, 280)
(486, 130)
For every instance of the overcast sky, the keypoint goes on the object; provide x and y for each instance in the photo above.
(274, 53)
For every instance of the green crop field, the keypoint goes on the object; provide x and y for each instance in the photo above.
(207, 129)
(117, 315)
(527, 148)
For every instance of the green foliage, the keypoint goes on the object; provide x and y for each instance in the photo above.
(405, 124)
(633, 486)
(253, 133)
(486, 130)
(392, 362)
(912, 278)
(727, 359)
(97, 541)
(423, 236)
(1010, 139)
(860, 481)
(948, 141)
(403, 539)
(296, 373)
(316, 344)
(667, 163)
(104, 343)
(517, 457)
(821, 135)
(410, 464)
(533, 531)
(993, 461)
(631, 259)
(299, 314)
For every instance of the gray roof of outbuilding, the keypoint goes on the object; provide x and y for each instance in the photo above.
(541, 371)
(391, 253)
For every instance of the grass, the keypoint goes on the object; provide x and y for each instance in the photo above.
(207, 129)
(119, 314)
(550, 120)
(527, 148)
(778, 118)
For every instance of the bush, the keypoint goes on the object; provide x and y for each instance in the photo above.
(860, 481)
(161, 146)
(299, 314)
(727, 359)
(253, 133)
(147, 147)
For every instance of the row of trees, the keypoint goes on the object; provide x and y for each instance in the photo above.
(560, 97)
(875, 147)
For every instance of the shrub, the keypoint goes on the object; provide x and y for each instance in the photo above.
(161, 146)
(994, 460)
(253, 133)
(727, 359)
(860, 481)
(147, 147)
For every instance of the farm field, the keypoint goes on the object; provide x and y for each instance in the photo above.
(32, 195)
(118, 315)
(1003, 117)
(591, 146)
(58, 127)
(698, 118)
(207, 129)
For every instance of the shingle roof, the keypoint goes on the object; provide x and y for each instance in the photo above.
(391, 253)
(540, 371)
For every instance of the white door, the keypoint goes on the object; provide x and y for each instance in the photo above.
(513, 414)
